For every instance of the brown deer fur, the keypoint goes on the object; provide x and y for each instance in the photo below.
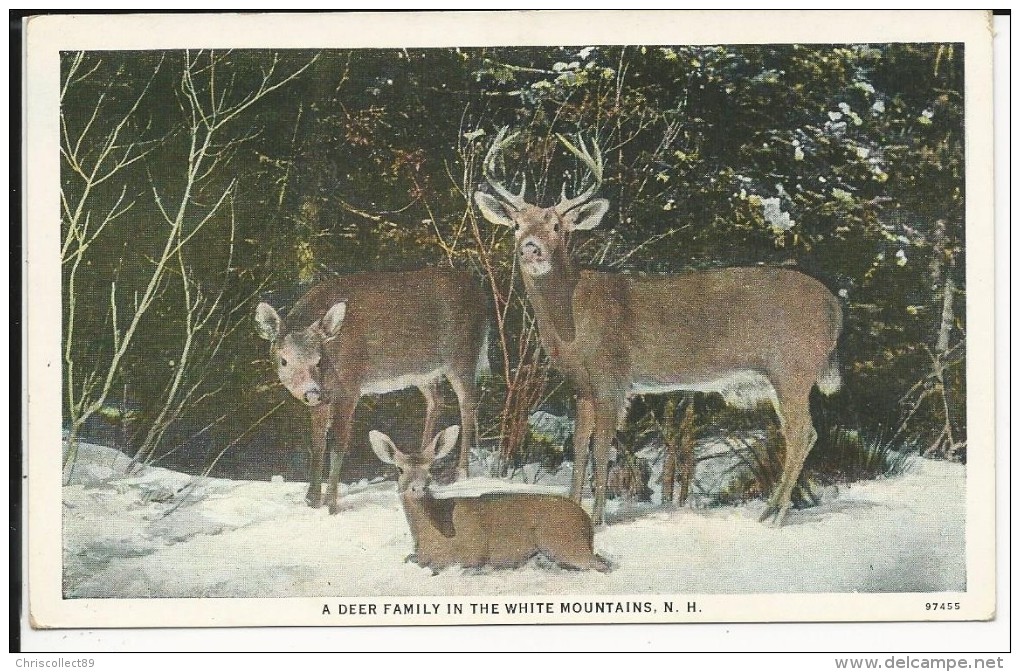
(752, 334)
(373, 333)
(500, 530)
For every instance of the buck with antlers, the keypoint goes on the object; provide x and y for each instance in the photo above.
(373, 333)
(752, 334)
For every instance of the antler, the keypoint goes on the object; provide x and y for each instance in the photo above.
(594, 165)
(489, 165)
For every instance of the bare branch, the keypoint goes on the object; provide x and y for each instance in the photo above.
(263, 418)
(651, 241)
(113, 315)
(265, 88)
(71, 70)
(205, 220)
(158, 200)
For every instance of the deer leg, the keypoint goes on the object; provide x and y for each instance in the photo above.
(322, 418)
(799, 436)
(583, 430)
(430, 390)
(686, 470)
(685, 449)
(607, 419)
(344, 419)
(669, 471)
(467, 396)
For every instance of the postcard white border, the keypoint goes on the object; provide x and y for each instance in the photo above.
(47, 36)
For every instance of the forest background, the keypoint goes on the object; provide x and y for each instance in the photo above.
(194, 184)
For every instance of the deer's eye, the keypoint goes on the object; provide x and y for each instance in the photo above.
(556, 226)
(283, 361)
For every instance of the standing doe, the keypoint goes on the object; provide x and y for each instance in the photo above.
(373, 333)
(500, 530)
(752, 334)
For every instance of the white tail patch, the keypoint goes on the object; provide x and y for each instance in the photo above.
(830, 380)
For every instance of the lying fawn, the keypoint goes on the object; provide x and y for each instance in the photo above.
(500, 530)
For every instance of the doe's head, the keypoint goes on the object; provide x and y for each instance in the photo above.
(298, 352)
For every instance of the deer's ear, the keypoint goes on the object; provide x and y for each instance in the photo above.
(587, 216)
(444, 442)
(267, 321)
(383, 447)
(493, 209)
(333, 319)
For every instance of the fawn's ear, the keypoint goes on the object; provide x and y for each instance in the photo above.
(587, 216)
(333, 319)
(493, 209)
(383, 447)
(444, 442)
(267, 321)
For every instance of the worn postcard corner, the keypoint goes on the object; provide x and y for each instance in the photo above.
(387, 319)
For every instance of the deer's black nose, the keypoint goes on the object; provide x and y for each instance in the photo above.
(531, 252)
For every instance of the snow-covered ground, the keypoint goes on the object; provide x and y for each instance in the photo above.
(165, 534)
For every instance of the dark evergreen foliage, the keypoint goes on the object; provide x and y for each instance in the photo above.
(841, 160)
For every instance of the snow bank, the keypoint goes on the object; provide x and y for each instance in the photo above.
(165, 534)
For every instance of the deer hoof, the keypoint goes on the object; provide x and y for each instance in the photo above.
(313, 500)
(774, 515)
(334, 508)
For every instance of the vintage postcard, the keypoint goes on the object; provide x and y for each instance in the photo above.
(509, 318)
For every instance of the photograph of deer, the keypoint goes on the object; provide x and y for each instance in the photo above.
(375, 333)
(751, 334)
(500, 530)
(745, 260)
